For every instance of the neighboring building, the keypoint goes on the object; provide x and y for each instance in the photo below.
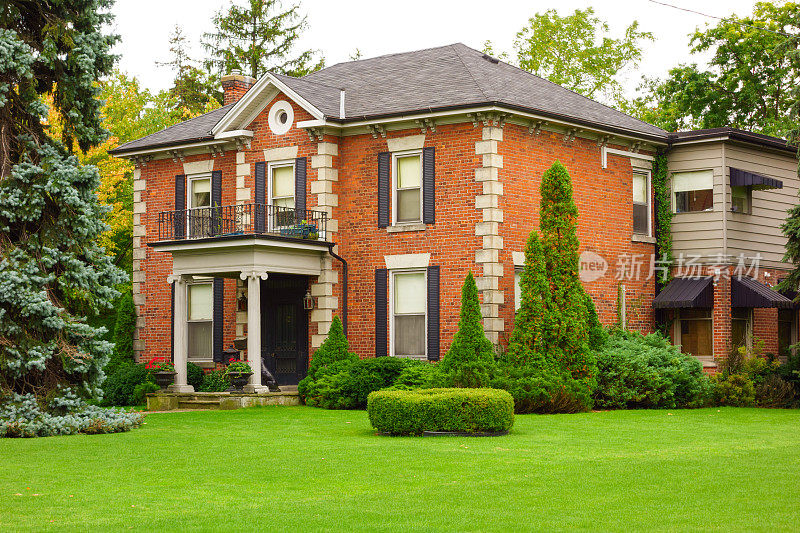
(731, 190)
(368, 190)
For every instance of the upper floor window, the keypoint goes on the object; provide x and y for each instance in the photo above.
(407, 187)
(693, 191)
(199, 192)
(281, 184)
(200, 296)
(641, 202)
(409, 304)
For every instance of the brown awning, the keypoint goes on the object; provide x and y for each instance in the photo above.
(742, 178)
(683, 293)
(747, 292)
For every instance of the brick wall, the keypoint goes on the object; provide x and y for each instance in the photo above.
(348, 191)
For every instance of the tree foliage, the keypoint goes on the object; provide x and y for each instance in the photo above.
(748, 82)
(468, 362)
(53, 272)
(578, 52)
(334, 348)
(193, 90)
(259, 37)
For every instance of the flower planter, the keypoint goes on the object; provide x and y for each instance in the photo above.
(164, 379)
(238, 380)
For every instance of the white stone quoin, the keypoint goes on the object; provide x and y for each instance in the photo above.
(488, 203)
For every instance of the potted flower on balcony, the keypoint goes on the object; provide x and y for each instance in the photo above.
(238, 373)
(162, 370)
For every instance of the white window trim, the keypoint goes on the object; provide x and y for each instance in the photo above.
(672, 192)
(211, 321)
(189, 180)
(395, 156)
(391, 311)
(649, 193)
(270, 167)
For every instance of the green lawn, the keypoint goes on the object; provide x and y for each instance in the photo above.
(302, 469)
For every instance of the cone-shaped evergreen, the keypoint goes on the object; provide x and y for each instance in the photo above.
(470, 358)
(334, 348)
(525, 345)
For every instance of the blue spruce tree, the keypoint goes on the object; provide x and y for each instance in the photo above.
(53, 273)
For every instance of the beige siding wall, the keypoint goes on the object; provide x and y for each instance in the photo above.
(698, 233)
(760, 231)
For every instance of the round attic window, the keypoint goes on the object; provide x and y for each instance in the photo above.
(281, 117)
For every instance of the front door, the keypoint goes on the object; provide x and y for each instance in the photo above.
(284, 327)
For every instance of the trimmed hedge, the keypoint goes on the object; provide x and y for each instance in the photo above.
(399, 412)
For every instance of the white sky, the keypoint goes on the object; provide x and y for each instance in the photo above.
(377, 27)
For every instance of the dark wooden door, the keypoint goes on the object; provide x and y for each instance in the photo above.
(284, 327)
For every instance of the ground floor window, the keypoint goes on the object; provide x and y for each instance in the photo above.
(409, 304)
(787, 318)
(695, 331)
(740, 327)
(200, 296)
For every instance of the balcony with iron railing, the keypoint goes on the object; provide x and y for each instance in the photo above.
(230, 221)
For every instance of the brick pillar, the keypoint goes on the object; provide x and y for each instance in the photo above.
(722, 315)
(327, 200)
(489, 229)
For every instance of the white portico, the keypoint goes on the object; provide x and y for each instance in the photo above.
(251, 259)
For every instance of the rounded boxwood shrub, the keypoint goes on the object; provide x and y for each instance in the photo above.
(399, 412)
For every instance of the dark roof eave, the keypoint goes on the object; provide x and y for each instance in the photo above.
(121, 150)
(614, 129)
(676, 138)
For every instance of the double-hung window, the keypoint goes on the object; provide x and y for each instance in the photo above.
(693, 191)
(200, 317)
(281, 193)
(407, 174)
(641, 202)
(198, 200)
(409, 304)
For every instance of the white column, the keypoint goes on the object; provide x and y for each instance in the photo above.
(254, 328)
(181, 335)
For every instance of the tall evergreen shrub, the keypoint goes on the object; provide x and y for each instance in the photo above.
(470, 360)
(124, 329)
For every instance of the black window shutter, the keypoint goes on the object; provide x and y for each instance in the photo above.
(384, 185)
(172, 322)
(300, 185)
(218, 318)
(433, 313)
(216, 202)
(381, 309)
(428, 185)
(260, 196)
(180, 205)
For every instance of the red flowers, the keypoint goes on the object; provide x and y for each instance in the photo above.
(160, 364)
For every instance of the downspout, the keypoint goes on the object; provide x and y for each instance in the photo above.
(344, 285)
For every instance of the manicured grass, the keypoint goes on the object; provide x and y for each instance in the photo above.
(304, 469)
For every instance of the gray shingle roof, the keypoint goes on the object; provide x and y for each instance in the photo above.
(194, 129)
(453, 76)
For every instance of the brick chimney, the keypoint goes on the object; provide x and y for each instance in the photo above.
(234, 85)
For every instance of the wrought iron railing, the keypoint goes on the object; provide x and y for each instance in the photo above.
(245, 219)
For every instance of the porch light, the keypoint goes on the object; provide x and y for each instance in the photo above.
(242, 302)
(308, 301)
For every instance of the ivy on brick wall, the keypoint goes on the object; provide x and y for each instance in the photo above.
(663, 210)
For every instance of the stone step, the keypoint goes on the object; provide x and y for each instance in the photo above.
(198, 404)
(288, 388)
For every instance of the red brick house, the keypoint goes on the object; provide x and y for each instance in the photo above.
(368, 190)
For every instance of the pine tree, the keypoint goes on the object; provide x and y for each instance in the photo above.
(53, 273)
(193, 91)
(469, 360)
(258, 38)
